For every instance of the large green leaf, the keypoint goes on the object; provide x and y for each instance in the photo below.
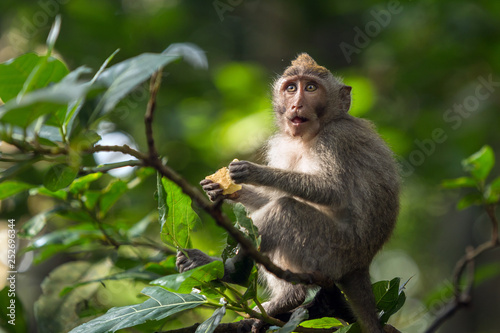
(11, 187)
(161, 304)
(177, 217)
(13, 74)
(480, 164)
(59, 176)
(194, 278)
(127, 75)
(209, 325)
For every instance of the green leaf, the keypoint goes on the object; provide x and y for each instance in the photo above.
(459, 182)
(389, 297)
(17, 168)
(325, 322)
(60, 194)
(111, 194)
(470, 199)
(492, 191)
(177, 217)
(209, 325)
(353, 328)
(59, 176)
(486, 272)
(51, 100)
(245, 222)
(251, 291)
(90, 198)
(54, 33)
(162, 304)
(64, 115)
(67, 237)
(81, 184)
(127, 75)
(11, 322)
(15, 72)
(480, 163)
(10, 187)
(57, 314)
(164, 267)
(297, 316)
(194, 278)
(34, 225)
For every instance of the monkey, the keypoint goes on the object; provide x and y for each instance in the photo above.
(325, 202)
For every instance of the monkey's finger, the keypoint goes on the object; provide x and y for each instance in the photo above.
(211, 187)
(181, 259)
(205, 182)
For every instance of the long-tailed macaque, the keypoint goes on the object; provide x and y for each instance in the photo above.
(326, 201)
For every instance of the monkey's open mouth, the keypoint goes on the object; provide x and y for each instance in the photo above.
(298, 120)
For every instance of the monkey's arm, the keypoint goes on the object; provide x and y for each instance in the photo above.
(311, 187)
(236, 269)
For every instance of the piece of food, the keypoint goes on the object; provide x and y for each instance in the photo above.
(224, 180)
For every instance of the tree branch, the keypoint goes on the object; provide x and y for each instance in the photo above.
(463, 296)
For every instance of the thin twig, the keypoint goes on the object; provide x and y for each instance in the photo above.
(154, 87)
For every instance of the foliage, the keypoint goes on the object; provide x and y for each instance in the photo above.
(410, 82)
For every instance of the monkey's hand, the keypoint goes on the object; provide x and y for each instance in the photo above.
(244, 172)
(215, 192)
(196, 259)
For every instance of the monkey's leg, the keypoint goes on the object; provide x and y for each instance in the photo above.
(358, 289)
(284, 295)
(330, 302)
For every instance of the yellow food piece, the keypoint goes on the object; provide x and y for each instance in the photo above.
(224, 180)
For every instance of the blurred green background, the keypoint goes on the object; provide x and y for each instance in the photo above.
(427, 73)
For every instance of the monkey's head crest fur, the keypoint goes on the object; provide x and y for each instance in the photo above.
(305, 64)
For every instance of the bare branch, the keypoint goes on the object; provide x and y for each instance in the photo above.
(463, 296)
(110, 166)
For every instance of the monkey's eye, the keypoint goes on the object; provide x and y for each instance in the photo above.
(291, 87)
(311, 87)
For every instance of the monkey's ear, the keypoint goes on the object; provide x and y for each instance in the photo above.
(345, 98)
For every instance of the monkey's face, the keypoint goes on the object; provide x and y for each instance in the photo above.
(303, 101)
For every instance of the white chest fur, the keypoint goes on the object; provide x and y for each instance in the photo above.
(292, 154)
